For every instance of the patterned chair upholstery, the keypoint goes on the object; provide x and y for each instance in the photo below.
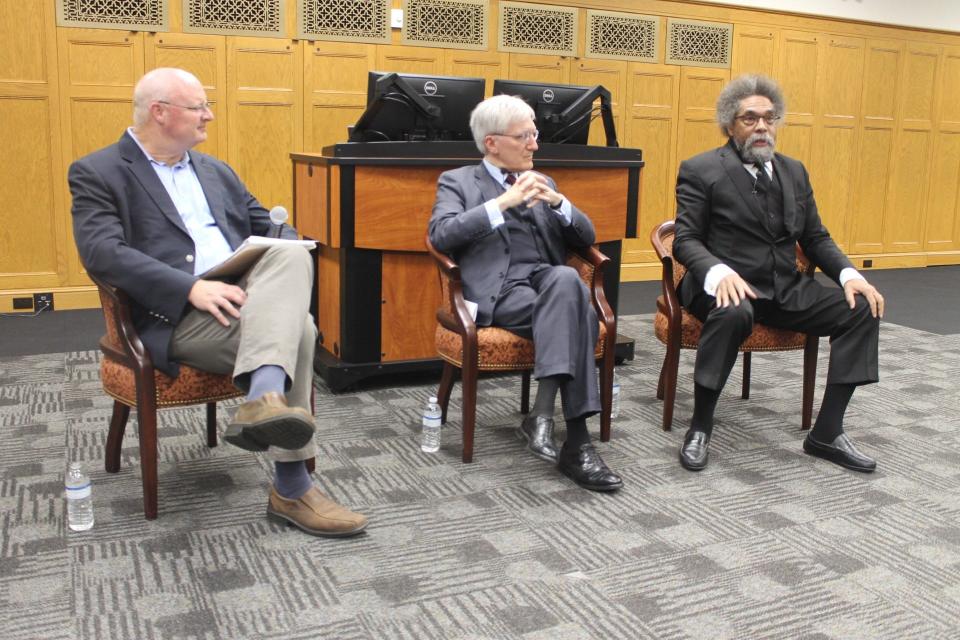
(470, 349)
(678, 329)
(128, 376)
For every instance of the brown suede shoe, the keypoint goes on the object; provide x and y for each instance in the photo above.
(316, 514)
(269, 422)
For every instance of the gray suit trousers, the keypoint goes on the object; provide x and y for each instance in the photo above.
(275, 328)
(553, 308)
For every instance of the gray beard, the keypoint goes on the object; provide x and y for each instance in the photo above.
(752, 155)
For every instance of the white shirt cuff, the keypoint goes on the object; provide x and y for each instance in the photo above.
(493, 213)
(716, 273)
(849, 273)
(564, 211)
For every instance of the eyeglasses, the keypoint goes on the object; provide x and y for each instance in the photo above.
(206, 106)
(751, 119)
(524, 137)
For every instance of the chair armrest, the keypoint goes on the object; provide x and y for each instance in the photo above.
(591, 263)
(660, 237)
(453, 313)
(121, 341)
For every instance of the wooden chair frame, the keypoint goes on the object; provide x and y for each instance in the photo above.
(669, 305)
(454, 316)
(122, 344)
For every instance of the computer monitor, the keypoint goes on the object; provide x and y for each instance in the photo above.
(563, 111)
(411, 106)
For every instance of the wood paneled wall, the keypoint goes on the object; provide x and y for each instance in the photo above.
(873, 111)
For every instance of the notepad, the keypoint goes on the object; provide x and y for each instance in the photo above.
(247, 254)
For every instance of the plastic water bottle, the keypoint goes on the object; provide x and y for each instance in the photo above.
(431, 427)
(79, 499)
(615, 405)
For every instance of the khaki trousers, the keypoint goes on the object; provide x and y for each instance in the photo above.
(275, 328)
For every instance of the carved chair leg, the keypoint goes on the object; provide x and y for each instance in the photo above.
(445, 388)
(211, 424)
(147, 423)
(469, 388)
(809, 379)
(525, 393)
(745, 389)
(606, 394)
(668, 373)
(118, 424)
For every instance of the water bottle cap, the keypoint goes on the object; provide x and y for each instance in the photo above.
(433, 400)
(75, 465)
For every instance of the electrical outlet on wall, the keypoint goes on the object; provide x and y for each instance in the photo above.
(396, 18)
(42, 302)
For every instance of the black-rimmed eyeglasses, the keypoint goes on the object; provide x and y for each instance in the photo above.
(751, 119)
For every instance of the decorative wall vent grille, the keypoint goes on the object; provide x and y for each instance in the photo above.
(457, 24)
(622, 36)
(129, 15)
(699, 44)
(345, 20)
(538, 28)
(250, 17)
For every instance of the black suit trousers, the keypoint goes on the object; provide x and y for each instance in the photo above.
(854, 334)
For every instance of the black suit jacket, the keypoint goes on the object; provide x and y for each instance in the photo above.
(719, 219)
(129, 233)
(460, 227)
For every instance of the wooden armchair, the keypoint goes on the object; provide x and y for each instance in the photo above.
(471, 349)
(678, 329)
(128, 376)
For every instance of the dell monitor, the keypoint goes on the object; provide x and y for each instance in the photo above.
(563, 111)
(411, 107)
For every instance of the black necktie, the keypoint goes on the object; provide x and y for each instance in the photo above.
(762, 185)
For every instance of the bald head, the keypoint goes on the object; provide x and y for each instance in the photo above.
(160, 85)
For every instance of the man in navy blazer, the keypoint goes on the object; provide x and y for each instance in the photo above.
(151, 216)
(741, 210)
(509, 229)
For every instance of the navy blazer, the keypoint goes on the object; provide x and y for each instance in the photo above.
(719, 219)
(460, 227)
(129, 233)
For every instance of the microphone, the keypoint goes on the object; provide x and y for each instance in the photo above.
(278, 215)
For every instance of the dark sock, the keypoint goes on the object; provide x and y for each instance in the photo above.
(546, 396)
(704, 404)
(291, 479)
(829, 422)
(267, 378)
(577, 433)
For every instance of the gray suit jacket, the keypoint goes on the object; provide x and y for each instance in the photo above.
(459, 227)
(720, 220)
(129, 233)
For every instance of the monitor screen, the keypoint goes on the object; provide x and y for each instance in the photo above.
(549, 102)
(410, 106)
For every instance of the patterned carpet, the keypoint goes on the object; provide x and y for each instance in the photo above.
(766, 543)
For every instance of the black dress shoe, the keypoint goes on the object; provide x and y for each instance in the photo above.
(842, 452)
(538, 432)
(585, 467)
(694, 452)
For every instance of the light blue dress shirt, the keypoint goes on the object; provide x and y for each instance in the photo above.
(182, 185)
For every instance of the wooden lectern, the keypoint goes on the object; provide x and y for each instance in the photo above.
(367, 205)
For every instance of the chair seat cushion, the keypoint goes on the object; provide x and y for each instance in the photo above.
(763, 338)
(192, 386)
(497, 349)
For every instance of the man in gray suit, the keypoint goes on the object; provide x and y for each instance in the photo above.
(150, 216)
(741, 209)
(508, 229)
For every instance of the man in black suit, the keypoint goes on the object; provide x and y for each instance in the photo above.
(508, 229)
(741, 209)
(151, 216)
